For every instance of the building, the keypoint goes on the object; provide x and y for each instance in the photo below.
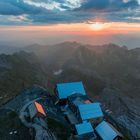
(36, 110)
(78, 99)
(90, 112)
(64, 90)
(75, 100)
(84, 109)
(83, 114)
(85, 130)
(107, 132)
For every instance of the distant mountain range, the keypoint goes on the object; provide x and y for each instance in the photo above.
(117, 66)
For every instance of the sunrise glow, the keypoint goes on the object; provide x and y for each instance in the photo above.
(111, 27)
(98, 26)
(93, 33)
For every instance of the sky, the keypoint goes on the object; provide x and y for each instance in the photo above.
(23, 22)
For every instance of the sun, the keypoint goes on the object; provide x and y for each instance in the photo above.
(97, 26)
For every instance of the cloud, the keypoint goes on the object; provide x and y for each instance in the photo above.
(139, 2)
(8, 9)
(21, 18)
(109, 5)
(49, 5)
(68, 11)
(61, 5)
(17, 7)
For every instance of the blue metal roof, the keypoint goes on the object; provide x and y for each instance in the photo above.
(89, 111)
(84, 128)
(67, 89)
(105, 131)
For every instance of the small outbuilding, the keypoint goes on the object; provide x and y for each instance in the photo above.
(84, 128)
(36, 110)
(107, 132)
